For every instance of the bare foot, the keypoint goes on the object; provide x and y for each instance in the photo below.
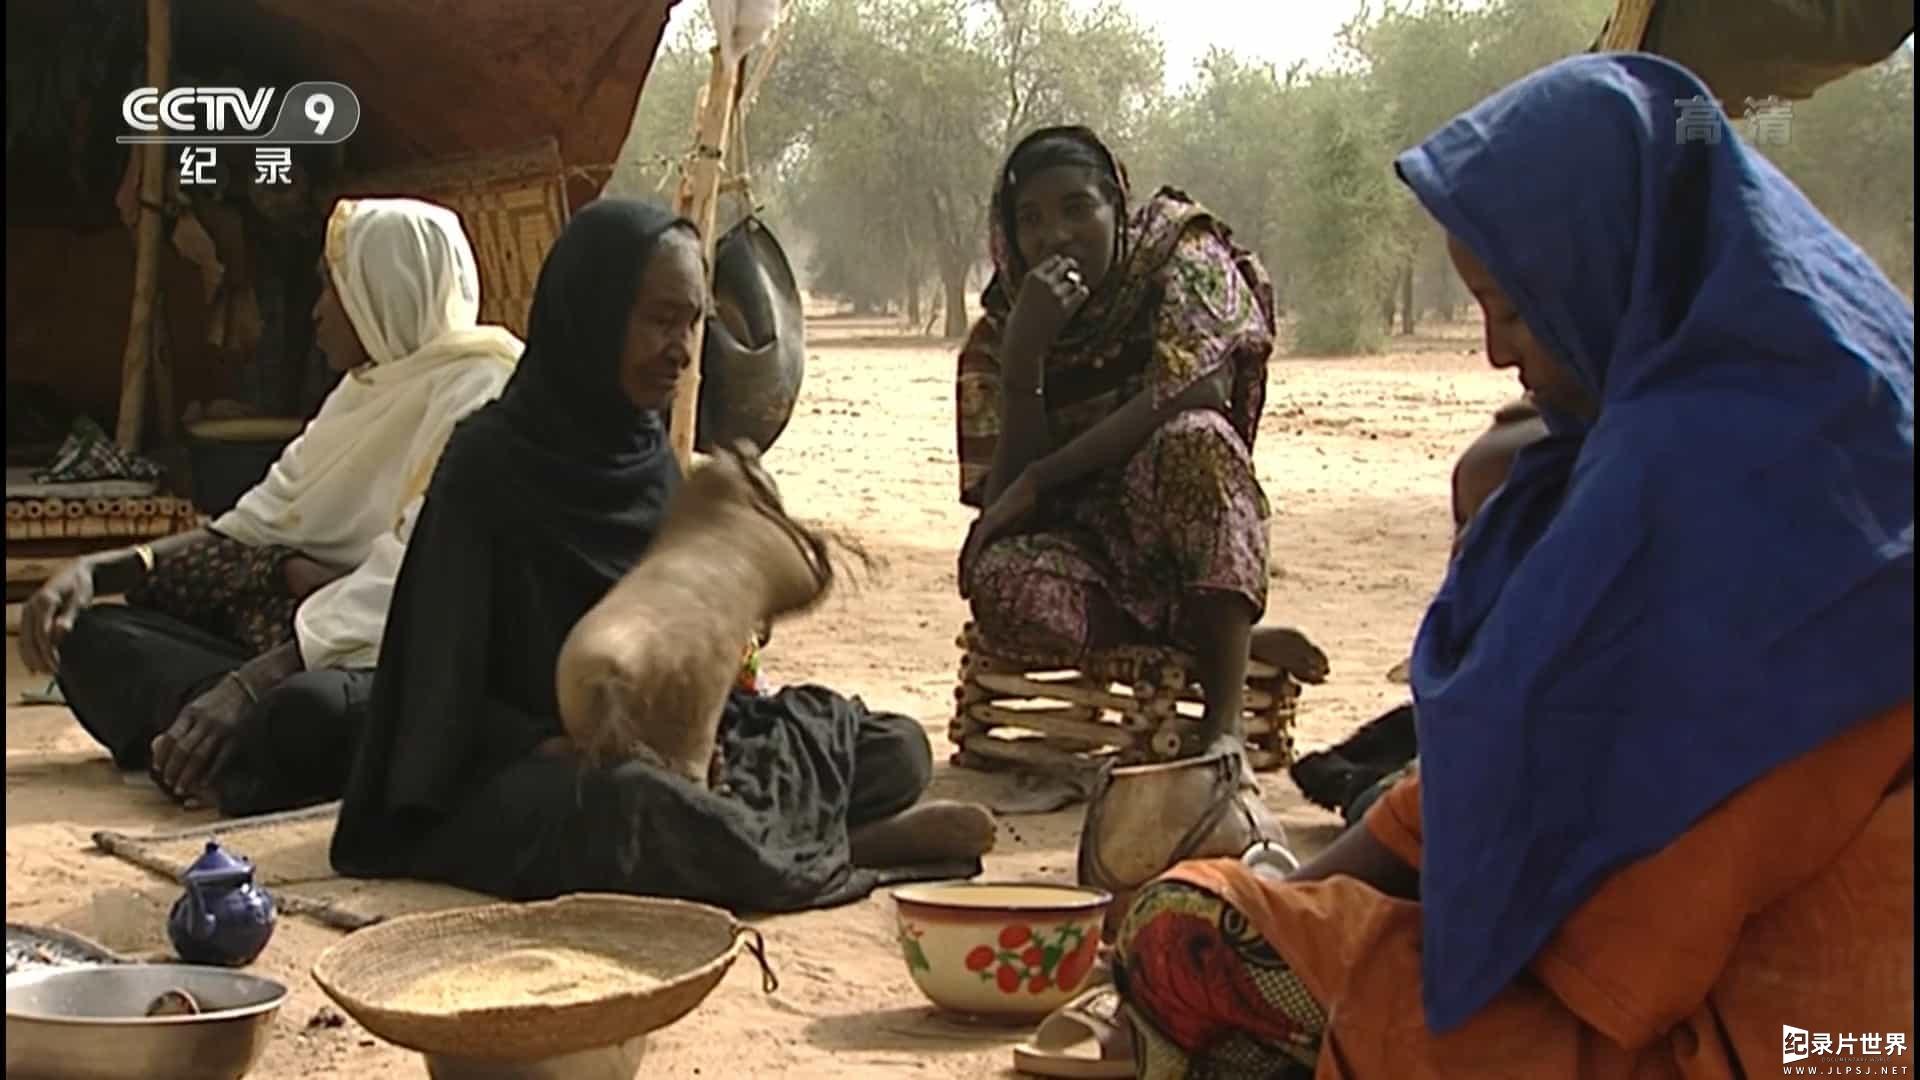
(1290, 651)
(1235, 746)
(930, 832)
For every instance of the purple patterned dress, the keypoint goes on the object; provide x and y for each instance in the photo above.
(1115, 557)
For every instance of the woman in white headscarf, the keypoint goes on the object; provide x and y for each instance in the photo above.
(239, 667)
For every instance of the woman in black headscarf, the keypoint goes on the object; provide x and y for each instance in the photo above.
(541, 502)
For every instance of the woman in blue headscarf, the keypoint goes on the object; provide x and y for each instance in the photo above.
(1665, 798)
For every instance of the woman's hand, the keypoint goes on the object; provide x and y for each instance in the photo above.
(1049, 296)
(1013, 507)
(50, 613)
(1355, 853)
(189, 755)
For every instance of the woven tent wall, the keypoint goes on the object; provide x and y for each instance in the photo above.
(513, 203)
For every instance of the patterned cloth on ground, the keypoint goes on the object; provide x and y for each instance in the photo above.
(88, 454)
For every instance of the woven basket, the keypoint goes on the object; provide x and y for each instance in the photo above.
(675, 953)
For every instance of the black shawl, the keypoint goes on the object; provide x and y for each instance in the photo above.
(541, 502)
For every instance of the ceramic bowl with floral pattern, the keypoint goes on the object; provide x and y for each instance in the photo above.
(1001, 952)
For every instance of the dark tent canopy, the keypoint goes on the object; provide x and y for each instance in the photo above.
(462, 100)
(1756, 49)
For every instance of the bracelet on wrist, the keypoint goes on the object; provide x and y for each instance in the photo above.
(244, 688)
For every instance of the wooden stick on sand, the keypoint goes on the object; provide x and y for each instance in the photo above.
(126, 848)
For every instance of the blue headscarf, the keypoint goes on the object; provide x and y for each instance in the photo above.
(1709, 580)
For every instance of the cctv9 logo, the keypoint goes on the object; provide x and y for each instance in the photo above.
(311, 113)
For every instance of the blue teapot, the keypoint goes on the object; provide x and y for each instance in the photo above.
(223, 919)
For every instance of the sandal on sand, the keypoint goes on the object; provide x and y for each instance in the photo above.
(1085, 1039)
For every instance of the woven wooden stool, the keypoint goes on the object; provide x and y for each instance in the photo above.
(1135, 704)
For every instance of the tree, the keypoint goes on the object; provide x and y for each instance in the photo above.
(916, 101)
(898, 88)
(1850, 149)
(1410, 95)
(662, 129)
(661, 135)
(850, 188)
(1233, 140)
(883, 120)
(1348, 255)
(1425, 63)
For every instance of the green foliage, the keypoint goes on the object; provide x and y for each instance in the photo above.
(910, 106)
(1346, 255)
(880, 126)
(1235, 142)
(1850, 149)
(662, 128)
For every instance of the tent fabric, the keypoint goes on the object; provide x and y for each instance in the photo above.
(438, 81)
(1754, 49)
(438, 78)
(435, 78)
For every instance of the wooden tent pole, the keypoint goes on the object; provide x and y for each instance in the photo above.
(1627, 30)
(751, 92)
(146, 252)
(698, 201)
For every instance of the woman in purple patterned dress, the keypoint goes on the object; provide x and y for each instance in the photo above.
(1108, 402)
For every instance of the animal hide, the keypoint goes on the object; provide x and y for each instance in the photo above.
(646, 673)
(742, 25)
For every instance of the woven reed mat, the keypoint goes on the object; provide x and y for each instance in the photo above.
(289, 854)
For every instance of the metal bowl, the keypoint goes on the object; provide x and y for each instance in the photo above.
(90, 1023)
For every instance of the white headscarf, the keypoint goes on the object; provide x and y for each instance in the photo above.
(345, 491)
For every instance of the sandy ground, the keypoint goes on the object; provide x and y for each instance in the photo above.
(1354, 453)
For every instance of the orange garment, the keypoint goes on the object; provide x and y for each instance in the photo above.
(1789, 904)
